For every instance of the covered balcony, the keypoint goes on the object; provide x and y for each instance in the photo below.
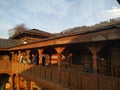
(66, 68)
(87, 61)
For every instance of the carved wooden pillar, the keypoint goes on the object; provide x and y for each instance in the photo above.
(28, 55)
(40, 51)
(59, 51)
(94, 50)
(19, 55)
(13, 56)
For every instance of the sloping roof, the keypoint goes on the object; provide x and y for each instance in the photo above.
(34, 32)
(6, 43)
(87, 29)
(78, 30)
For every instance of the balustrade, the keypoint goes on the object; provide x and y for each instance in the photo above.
(5, 66)
(68, 78)
(64, 77)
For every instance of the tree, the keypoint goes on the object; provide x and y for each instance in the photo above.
(17, 29)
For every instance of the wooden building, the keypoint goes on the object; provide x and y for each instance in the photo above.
(84, 60)
(32, 35)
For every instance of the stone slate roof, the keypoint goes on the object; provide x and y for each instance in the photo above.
(6, 43)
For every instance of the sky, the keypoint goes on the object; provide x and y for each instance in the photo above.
(54, 16)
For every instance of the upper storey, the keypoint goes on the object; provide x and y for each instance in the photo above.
(27, 36)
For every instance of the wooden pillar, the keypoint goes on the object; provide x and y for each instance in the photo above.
(25, 84)
(68, 57)
(18, 88)
(39, 88)
(59, 51)
(28, 87)
(19, 55)
(95, 65)
(13, 56)
(11, 82)
(28, 55)
(50, 58)
(94, 50)
(40, 51)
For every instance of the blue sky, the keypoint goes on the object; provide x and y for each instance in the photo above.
(55, 15)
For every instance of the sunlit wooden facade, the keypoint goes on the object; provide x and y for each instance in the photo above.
(85, 61)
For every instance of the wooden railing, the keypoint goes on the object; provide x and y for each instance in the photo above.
(116, 71)
(72, 79)
(5, 66)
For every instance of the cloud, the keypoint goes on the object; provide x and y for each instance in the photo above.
(4, 27)
(53, 15)
(46, 7)
(113, 13)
